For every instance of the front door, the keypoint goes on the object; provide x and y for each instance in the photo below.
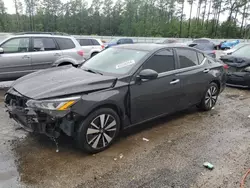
(152, 98)
(44, 53)
(16, 59)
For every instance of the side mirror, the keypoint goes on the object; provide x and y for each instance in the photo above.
(1, 51)
(148, 74)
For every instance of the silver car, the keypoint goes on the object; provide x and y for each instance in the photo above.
(90, 46)
(25, 53)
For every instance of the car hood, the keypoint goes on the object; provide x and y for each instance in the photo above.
(61, 81)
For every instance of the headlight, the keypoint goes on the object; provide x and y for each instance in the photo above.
(54, 104)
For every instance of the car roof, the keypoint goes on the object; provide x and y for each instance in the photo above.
(40, 35)
(151, 47)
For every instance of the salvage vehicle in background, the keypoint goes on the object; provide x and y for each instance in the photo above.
(229, 44)
(167, 41)
(116, 89)
(23, 53)
(238, 67)
(90, 46)
(118, 41)
(207, 49)
(233, 49)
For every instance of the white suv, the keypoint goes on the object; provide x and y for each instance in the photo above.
(90, 46)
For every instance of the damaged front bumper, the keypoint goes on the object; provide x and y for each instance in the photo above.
(238, 79)
(50, 123)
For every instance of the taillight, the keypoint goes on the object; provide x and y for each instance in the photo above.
(80, 52)
(102, 46)
(225, 66)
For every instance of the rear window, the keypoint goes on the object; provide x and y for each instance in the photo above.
(85, 42)
(65, 44)
(95, 42)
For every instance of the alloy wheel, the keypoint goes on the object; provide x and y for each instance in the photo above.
(211, 97)
(101, 131)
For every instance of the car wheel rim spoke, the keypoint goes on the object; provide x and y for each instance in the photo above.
(110, 125)
(96, 141)
(101, 131)
(92, 131)
(108, 138)
(102, 118)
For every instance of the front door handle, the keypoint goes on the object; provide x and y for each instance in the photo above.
(174, 81)
(26, 57)
(206, 70)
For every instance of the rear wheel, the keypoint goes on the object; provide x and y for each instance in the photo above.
(93, 54)
(98, 131)
(210, 97)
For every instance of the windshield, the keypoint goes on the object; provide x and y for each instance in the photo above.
(243, 52)
(238, 46)
(114, 61)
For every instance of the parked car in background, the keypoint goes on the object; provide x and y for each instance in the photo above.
(116, 89)
(229, 44)
(25, 53)
(207, 49)
(167, 41)
(238, 67)
(118, 41)
(90, 46)
(205, 42)
(234, 48)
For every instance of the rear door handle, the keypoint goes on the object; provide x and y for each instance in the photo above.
(26, 57)
(174, 81)
(206, 70)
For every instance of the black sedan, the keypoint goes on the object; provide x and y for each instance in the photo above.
(118, 88)
(238, 67)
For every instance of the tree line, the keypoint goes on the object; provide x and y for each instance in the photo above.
(156, 18)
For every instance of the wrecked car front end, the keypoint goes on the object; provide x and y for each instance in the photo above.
(238, 73)
(48, 117)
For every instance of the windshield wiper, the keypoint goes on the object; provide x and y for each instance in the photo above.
(92, 71)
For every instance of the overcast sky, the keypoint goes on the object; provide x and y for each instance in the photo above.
(11, 9)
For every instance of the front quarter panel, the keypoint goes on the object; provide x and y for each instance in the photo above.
(114, 96)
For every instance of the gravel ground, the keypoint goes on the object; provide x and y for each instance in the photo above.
(173, 157)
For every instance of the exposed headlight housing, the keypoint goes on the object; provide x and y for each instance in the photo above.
(54, 104)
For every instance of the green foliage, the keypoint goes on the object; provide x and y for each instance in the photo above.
(159, 18)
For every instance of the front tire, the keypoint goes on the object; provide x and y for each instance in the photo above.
(210, 97)
(98, 131)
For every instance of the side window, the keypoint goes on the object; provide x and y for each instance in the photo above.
(162, 61)
(120, 41)
(44, 44)
(129, 41)
(200, 57)
(94, 42)
(17, 45)
(188, 58)
(65, 44)
(85, 42)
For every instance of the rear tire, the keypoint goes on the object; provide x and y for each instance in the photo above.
(210, 97)
(98, 131)
(93, 54)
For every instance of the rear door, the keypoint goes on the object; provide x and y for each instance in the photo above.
(151, 98)
(193, 72)
(44, 52)
(16, 59)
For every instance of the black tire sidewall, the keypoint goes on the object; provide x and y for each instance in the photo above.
(203, 104)
(83, 126)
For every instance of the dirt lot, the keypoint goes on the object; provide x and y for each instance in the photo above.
(173, 157)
